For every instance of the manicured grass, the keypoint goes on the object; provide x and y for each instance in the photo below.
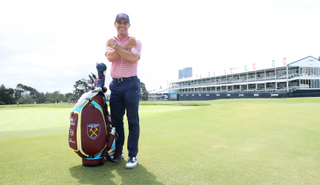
(235, 141)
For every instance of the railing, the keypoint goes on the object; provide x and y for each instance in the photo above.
(234, 81)
(238, 91)
(270, 78)
(281, 77)
(293, 75)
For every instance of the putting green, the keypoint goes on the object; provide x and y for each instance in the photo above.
(235, 141)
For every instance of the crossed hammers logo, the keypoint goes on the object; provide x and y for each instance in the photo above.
(94, 132)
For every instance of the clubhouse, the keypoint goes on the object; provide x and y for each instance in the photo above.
(297, 79)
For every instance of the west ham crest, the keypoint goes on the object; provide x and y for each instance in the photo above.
(93, 130)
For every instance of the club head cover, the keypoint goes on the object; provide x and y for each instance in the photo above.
(91, 79)
(101, 68)
(94, 77)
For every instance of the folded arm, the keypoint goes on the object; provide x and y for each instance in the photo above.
(122, 51)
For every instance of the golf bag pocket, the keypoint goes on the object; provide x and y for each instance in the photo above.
(114, 145)
(87, 133)
(111, 139)
(72, 131)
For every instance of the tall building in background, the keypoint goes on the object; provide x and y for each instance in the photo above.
(180, 73)
(185, 73)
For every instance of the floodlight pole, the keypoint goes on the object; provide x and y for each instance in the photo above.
(287, 79)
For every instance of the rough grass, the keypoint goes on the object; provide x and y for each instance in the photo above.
(235, 141)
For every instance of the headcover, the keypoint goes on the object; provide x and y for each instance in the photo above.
(101, 68)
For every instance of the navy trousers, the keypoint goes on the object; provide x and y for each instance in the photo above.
(125, 95)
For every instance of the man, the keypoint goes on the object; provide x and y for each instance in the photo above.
(123, 51)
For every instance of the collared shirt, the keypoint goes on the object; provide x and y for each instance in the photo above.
(121, 68)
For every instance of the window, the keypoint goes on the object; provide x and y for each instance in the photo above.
(305, 71)
(252, 86)
(271, 85)
(260, 86)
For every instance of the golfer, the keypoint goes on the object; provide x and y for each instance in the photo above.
(123, 51)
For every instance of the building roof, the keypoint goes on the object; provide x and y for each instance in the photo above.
(306, 62)
(160, 91)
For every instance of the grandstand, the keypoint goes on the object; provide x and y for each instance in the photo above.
(161, 94)
(297, 79)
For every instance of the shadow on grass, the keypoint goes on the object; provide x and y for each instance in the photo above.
(113, 173)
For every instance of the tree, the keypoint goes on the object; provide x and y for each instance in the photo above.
(26, 90)
(40, 98)
(18, 92)
(55, 97)
(27, 94)
(70, 96)
(6, 95)
(26, 99)
(144, 92)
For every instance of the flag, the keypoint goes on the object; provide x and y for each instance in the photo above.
(273, 63)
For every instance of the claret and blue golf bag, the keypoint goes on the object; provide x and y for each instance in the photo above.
(92, 133)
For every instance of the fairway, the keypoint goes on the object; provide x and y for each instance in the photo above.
(231, 141)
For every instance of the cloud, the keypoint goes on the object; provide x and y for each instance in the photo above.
(50, 45)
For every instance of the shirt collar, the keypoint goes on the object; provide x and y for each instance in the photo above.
(116, 37)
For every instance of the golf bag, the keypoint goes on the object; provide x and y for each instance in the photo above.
(92, 132)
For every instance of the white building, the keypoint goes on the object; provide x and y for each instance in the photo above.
(161, 94)
(300, 75)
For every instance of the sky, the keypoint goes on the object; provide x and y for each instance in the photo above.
(49, 45)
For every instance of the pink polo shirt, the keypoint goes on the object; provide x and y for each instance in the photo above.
(122, 68)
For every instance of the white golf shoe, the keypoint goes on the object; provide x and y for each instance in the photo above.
(132, 163)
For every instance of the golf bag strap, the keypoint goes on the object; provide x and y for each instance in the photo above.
(118, 152)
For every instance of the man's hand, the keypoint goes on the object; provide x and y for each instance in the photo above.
(131, 43)
(112, 42)
(122, 51)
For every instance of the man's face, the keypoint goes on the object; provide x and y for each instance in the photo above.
(122, 26)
